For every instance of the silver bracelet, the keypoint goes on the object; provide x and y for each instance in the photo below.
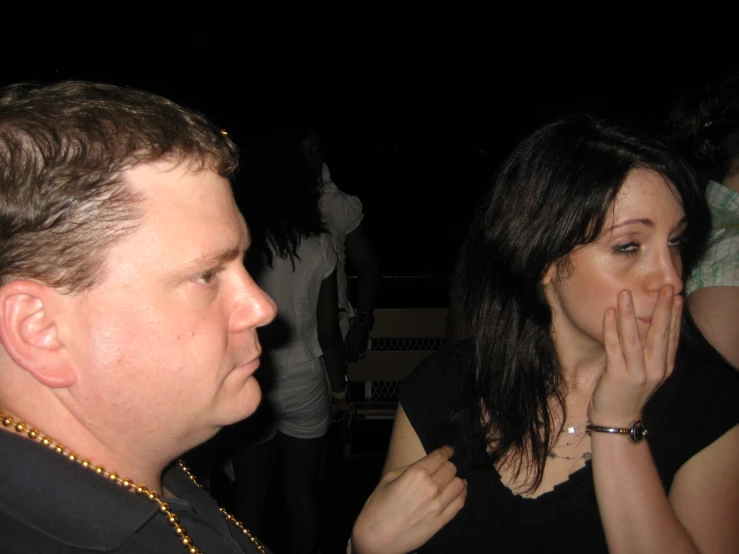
(637, 432)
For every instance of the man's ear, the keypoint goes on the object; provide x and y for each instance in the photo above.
(29, 332)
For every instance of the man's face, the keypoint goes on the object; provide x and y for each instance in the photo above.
(166, 344)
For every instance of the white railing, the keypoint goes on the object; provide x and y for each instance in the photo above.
(401, 338)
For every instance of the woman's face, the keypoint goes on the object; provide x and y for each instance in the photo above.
(638, 250)
(313, 151)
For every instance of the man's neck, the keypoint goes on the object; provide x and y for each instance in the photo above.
(72, 439)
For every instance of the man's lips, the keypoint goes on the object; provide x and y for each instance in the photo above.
(249, 367)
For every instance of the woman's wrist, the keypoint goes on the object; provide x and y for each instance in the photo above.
(341, 395)
(636, 431)
(366, 319)
(612, 420)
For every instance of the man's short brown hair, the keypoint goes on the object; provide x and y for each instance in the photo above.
(63, 148)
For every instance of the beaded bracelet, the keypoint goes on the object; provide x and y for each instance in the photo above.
(339, 395)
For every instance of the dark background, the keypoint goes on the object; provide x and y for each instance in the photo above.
(417, 112)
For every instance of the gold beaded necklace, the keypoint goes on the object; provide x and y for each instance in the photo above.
(34, 434)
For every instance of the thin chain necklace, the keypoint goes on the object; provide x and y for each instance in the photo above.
(566, 444)
(571, 436)
(570, 430)
(584, 456)
(142, 490)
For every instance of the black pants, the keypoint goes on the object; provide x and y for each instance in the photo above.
(280, 476)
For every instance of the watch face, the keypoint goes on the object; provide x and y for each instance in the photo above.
(638, 432)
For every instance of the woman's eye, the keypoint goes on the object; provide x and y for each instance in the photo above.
(677, 242)
(629, 248)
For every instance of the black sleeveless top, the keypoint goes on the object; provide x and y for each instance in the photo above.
(692, 409)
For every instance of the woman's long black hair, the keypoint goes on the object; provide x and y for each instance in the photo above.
(278, 195)
(552, 194)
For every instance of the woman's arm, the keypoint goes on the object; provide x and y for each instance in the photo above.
(405, 446)
(360, 253)
(700, 514)
(417, 496)
(636, 513)
(329, 333)
(705, 495)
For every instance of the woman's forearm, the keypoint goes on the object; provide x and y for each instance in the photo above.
(634, 508)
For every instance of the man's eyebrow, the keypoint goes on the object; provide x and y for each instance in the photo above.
(212, 259)
(217, 256)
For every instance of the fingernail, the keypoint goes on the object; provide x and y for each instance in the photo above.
(626, 297)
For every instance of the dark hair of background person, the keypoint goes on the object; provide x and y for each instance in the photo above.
(553, 194)
(704, 125)
(278, 195)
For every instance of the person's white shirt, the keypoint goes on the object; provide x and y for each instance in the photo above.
(294, 333)
(342, 214)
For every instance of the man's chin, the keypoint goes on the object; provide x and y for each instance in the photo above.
(247, 403)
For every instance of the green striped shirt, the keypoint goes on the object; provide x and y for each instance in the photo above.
(719, 267)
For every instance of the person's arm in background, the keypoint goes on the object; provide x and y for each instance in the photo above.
(715, 311)
(329, 337)
(360, 253)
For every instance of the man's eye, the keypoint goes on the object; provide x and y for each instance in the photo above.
(208, 276)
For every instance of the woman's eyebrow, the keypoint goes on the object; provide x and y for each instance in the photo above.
(644, 221)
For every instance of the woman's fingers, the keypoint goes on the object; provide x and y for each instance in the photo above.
(435, 459)
(638, 359)
(410, 505)
(614, 355)
(444, 474)
(629, 339)
(674, 336)
(658, 335)
(452, 499)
